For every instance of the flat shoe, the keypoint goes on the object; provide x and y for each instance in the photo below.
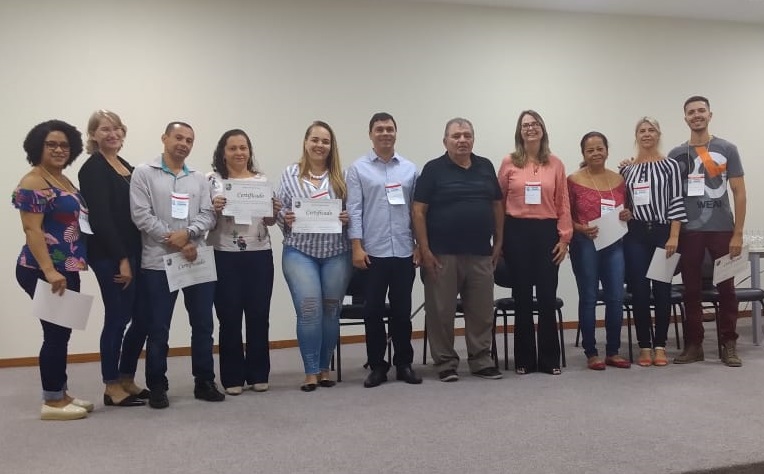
(88, 406)
(521, 370)
(617, 361)
(143, 394)
(128, 401)
(260, 387)
(65, 413)
(595, 363)
(660, 359)
(235, 390)
(326, 383)
(308, 387)
(645, 358)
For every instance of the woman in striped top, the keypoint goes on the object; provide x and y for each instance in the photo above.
(317, 267)
(655, 198)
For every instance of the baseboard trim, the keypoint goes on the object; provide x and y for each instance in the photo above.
(284, 344)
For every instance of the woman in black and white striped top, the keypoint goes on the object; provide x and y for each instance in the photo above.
(317, 266)
(655, 198)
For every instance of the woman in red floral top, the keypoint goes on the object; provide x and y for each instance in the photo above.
(53, 215)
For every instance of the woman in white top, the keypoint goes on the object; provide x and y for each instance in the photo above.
(244, 263)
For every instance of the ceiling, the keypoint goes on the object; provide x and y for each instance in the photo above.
(748, 11)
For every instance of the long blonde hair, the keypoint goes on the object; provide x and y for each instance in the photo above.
(520, 156)
(333, 164)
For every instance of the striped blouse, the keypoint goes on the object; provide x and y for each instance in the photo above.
(666, 201)
(315, 245)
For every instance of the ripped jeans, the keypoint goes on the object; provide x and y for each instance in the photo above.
(317, 286)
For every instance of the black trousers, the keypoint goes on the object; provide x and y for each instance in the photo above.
(396, 275)
(528, 245)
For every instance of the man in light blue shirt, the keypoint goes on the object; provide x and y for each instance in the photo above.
(380, 191)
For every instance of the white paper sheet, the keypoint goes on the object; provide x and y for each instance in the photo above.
(610, 228)
(726, 267)
(662, 268)
(317, 216)
(70, 310)
(182, 273)
(246, 199)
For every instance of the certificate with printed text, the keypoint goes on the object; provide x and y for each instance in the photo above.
(182, 273)
(727, 267)
(245, 199)
(317, 216)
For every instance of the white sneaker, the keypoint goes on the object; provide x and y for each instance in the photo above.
(260, 387)
(234, 390)
(65, 413)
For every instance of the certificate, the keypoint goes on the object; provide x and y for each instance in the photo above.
(727, 267)
(182, 273)
(317, 216)
(662, 268)
(610, 228)
(70, 310)
(245, 199)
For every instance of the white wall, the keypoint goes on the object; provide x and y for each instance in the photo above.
(272, 66)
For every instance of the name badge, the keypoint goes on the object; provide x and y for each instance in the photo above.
(84, 221)
(606, 205)
(395, 193)
(179, 205)
(640, 193)
(533, 192)
(320, 194)
(696, 185)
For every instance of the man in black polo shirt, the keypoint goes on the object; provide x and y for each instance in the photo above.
(458, 221)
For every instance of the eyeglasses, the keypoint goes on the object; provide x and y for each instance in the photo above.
(530, 125)
(53, 145)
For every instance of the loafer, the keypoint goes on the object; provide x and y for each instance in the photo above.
(261, 387)
(207, 390)
(327, 383)
(376, 378)
(143, 394)
(308, 387)
(237, 390)
(407, 374)
(88, 406)
(158, 399)
(128, 401)
(65, 413)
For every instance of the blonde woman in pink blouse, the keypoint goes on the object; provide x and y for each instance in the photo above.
(537, 230)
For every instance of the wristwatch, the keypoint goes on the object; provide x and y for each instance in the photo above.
(191, 233)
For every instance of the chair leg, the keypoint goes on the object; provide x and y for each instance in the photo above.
(676, 327)
(562, 338)
(506, 343)
(578, 333)
(716, 322)
(494, 351)
(424, 345)
(339, 361)
(628, 326)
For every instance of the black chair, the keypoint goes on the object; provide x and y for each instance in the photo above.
(352, 315)
(505, 307)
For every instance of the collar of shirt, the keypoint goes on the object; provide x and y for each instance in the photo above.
(159, 163)
(373, 156)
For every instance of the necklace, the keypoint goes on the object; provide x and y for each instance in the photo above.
(318, 177)
(58, 183)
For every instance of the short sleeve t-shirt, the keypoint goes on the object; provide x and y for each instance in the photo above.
(460, 214)
(717, 162)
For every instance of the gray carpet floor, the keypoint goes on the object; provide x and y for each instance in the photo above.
(641, 420)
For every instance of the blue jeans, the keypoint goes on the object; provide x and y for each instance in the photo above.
(198, 301)
(592, 267)
(317, 286)
(55, 338)
(120, 350)
(245, 285)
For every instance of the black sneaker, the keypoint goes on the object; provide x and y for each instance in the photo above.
(488, 373)
(158, 398)
(449, 375)
(208, 391)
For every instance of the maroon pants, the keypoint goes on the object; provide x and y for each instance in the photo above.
(692, 246)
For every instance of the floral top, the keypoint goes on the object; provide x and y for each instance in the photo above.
(60, 223)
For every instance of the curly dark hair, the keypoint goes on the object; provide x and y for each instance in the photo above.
(218, 157)
(34, 143)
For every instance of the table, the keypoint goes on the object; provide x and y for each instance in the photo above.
(754, 255)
